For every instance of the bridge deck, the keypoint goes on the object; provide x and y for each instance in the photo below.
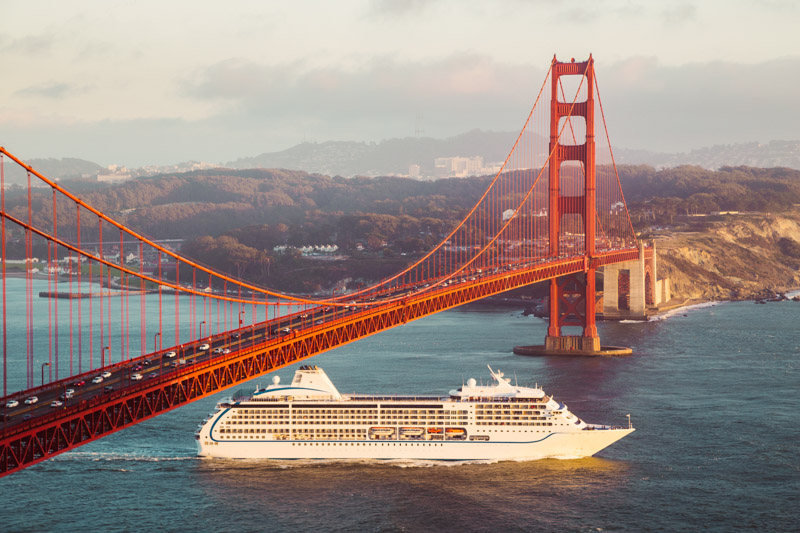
(34, 433)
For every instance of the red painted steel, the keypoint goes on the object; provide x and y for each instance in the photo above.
(522, 230)
(39, 439)
(564, 309)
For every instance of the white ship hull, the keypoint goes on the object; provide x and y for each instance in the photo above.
(559, 445)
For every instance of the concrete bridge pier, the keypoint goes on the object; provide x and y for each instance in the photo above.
(572, 304)
(630, 288)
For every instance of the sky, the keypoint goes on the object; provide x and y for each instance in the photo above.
(143, 82)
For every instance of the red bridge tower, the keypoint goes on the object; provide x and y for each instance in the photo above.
(572, 298)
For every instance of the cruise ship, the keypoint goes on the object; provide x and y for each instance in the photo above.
(311, 419)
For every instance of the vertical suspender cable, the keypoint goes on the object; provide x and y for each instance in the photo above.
(160, 324)
(55, 287)
(228, 307)
(3, 230)
(193, 304)
(50, 298)
(108, 336)
(80, 288)
(91, 314)
(102, 295)
(142, 303)
(29, 289)
(123, 300)
(71, 325)
(177, 315)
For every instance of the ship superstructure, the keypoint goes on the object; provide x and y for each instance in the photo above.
(310, 419)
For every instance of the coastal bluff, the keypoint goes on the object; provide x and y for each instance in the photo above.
(731, 257)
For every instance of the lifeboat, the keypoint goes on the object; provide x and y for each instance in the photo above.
(412, 432)
(434, 430)
(382, 432)
(454, 431)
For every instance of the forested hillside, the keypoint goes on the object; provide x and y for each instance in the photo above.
(233, 219)
(663, 194)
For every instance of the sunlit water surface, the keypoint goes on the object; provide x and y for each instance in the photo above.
(712, 391)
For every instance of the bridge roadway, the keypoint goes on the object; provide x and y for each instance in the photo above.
(163, 364)
(32, 433)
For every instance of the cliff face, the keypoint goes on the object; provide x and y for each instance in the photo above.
(741, 257)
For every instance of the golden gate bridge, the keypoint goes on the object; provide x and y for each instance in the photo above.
(551, 213)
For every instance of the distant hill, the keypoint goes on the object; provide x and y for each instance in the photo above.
(55, 169)
(348, 158)
(769, 155)
(393, 156)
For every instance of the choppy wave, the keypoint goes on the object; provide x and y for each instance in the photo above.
(682, 310)
(112, 456)
(283, 464)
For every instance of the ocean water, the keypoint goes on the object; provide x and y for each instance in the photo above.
(712, 391)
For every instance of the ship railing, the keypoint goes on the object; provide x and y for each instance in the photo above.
(601, 427)
(396, 397)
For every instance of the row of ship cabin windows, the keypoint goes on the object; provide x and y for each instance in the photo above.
(522, 421)
(368, 444)
(403, 421)
(330, 418)
(296, 433)
(326, 419)
(341, 431)
(334, 433)
(389, 412)
(371, 444)
(351, 411)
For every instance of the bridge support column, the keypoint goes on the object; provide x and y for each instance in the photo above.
(572, 298)
(572, 304)
(630, 299)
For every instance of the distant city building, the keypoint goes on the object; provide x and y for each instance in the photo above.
(308, 249)
(413, 171)
(188, 166)
(458, 167)
(114, 174)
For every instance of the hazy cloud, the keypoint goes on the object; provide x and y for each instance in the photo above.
(679, 14)
(381, 100)
(31, 44)
(51, 90)
(783, 6)
(648, 105)
(675, 108)
(389, 8)
(265, 108)
(462, 83)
